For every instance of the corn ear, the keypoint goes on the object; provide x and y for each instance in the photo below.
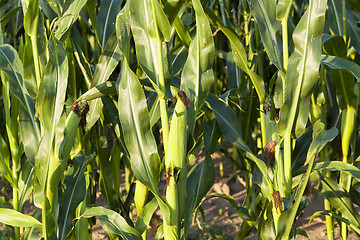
(175, 160)
(141, 193)
(347, 129)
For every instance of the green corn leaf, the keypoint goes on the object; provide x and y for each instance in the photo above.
(269, 27)
(341, 63)
(144, 218)
(123, 31)
(25, 181)
(50, 105)
(51, 12)
(200, 180)
(138, 137)
(341, 71)
(83, 63)
(340, 200)
(5, 162)
(104, 89)
(31, 19)
(335, 20)
(112, 222)
(149, 16)
(212, 133)
(56, 6)
(198, 77)
(74, 193)
(28, 59)
(108, 61)
(321, 138)
(152, 53)
(69, 15)
(17, 219)
(231, 130)
(240, 55)
(135, 123)
(105, 20)
(172, 8)
(354, 30)
(91, 6)
(29, 130)
(338, 217)
(302, 73)
(339, 166)
(283, 9)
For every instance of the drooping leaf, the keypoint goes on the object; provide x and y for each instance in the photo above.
(17, 219)
(112, 222)
(302, 73)
(70, 13)
(144, 218)
(240, 55)
(340, 200)
(341, 71)
(231, 130)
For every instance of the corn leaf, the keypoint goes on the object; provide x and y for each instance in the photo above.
(29, 130)
(50, 106)
(341, 71)
(150, 27)
(123, 31)
(74, 193)
(198, 77)
(135, 123)
(231, 130)
(321, 138)
(240, 55)
(17, 219)
(339, 199)
(108, 61)
(112, 222)
(200, 180)
(26, 181)
(269, 27)
(69, 15)
(145, 216)
(302, 73)
(31, 19)
(105, 20)
(282, 9)
(5, 162)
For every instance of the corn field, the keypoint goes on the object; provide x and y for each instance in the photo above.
(98, 94)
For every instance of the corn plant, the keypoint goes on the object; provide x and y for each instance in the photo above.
(93, 90)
